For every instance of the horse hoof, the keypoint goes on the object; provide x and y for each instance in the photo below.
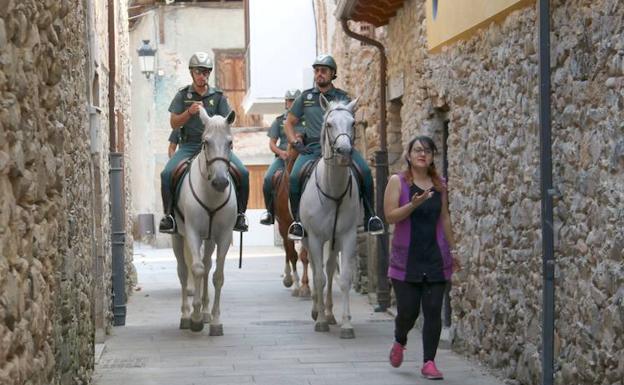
(314, 314)
(321, 327)
(295, 293)
(287, 281)
(206, 318)
(331, 319)
(185, 323)
(216, 330)
(304, 292)
(347, 334)
(197, 326)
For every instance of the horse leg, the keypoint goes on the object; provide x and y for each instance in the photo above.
(194, 244)
(209, 247)
(347, 264)
(330, 268)
(287, 281)
(291, 266)
(216, 328)
(178, 250)
(304, 292)
(190, 282)
(315, 248)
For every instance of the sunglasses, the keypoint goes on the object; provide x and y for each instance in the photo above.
(204, 72)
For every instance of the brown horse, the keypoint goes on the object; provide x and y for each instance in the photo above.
(284, 219)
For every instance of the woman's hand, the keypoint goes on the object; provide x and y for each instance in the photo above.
(417, 200)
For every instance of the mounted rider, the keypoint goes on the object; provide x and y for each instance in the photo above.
(184, 111)
(307, 106)
(276, 132)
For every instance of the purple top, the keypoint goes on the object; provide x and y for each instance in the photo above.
(401, 241)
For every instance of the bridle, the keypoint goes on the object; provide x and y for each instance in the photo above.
(327, 138)
(209, 162)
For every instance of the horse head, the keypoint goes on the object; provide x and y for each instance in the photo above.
(216, 149)
(338, 131)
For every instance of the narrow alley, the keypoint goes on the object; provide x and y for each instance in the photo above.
(268, 337)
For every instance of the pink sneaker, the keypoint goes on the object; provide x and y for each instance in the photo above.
(396, 354)
(429, 371)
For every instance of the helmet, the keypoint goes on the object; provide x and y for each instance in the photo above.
(327, 61)
(200, 60)
(292, 94)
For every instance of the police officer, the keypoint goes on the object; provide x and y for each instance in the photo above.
(276, 132)
(308, 106)
(185, 115)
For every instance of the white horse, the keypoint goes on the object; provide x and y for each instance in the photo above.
(206, 212)
(330, 212)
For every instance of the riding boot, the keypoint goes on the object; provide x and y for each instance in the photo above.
(268, 218)
(295, 230)
(372, 223)
(167, 223)
(241, 219)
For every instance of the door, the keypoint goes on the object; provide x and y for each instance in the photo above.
(230, 77)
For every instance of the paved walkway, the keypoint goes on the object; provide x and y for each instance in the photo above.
(269, 337)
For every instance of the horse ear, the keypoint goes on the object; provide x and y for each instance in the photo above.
(352, 106)
(231, 117)
(203, 115)
(324, 102)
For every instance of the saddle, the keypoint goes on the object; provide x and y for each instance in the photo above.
(306, 172)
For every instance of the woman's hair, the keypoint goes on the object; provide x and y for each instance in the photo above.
(426, 142)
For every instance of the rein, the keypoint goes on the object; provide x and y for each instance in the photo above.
(211, 212)
(337, 199)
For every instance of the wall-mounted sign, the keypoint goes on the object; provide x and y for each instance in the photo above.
(452, 20)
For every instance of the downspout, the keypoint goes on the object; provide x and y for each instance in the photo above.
(118, 233)
(381, 168)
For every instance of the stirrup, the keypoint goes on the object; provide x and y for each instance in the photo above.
(295, 231)
(372, 221)
(166, 229)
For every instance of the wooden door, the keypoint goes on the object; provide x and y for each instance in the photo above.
(230, 77)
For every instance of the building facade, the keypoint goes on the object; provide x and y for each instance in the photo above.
(474, 88)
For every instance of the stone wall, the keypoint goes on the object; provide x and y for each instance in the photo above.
(46, 331)
(54, 222)
(486, 87)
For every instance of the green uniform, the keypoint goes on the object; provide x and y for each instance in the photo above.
(307, 106)
(215, 103)
(276, 131)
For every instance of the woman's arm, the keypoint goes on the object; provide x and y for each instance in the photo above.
(395, 213)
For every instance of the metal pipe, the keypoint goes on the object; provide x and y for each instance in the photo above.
(381, 167)
(118, 239)
(112, 37)
(548, 259)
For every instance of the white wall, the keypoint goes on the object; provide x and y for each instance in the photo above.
(282, 48)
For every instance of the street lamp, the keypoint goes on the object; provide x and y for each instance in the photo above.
(146, 58)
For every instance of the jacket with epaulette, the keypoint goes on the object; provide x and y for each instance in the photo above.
(276, 131)
(214, 102)
(308, 107)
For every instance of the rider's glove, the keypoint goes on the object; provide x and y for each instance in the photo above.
(301, 148)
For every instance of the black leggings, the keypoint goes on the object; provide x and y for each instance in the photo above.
(409, 297)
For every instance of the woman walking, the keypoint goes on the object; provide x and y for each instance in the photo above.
(421, 261)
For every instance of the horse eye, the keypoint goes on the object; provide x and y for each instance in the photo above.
(230, 144)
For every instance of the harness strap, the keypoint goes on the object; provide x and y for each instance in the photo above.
(338, 201)
(211, 212)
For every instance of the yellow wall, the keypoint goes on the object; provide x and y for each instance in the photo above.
(458, 19)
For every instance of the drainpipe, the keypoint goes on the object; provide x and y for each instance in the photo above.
(548, 193)
(381, 168)
(118, 234)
